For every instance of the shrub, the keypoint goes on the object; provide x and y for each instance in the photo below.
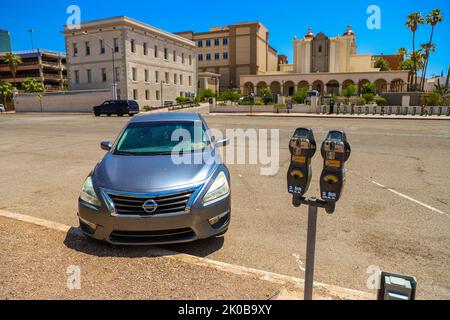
(279, 107)
(204, 94)
(230, 95)
(183, 99)
(147, 108)
(258, 103)
(349, 91)
(368, 97)
(300, 95)
(431, 99)
(380, 101)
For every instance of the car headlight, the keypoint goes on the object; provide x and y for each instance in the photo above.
(218, 189)
(88, 193)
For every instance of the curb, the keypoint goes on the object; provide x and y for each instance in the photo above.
(315, 116)
(324, 290)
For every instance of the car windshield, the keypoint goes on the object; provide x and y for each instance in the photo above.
(161, 138)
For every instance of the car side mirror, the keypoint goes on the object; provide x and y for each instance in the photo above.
(222, 142)
(106, 145)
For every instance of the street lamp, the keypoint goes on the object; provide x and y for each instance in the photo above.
(114, 89)
(162, 99)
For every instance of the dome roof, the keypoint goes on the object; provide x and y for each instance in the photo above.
(349, 31)
(310, 34)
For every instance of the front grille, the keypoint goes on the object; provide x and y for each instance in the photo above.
(132, 205)
(160, 236)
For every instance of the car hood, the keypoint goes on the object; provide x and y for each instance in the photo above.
(150, 173)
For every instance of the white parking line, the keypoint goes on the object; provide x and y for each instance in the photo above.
(410, 198)
(326, 290)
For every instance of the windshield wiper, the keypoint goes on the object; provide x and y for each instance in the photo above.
(124, 153)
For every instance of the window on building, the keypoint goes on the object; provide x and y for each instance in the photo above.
(156, 51)
(216, 56)
(181, 79)
(225, 41)
(216, 42)
(147, 94)
(320, 49)
(181, 94)
(208, 43)
(118, 94)
(190, 80)
(89, 75)
(133, 46)
(200, 43)
(87, 47)
(208, 56)
(174, 56)
(158, 96)
(104, 77)
(77, 76)
(145, 49)
(116, 44)
(200, 57)
(157, 76)
(174, 78)
(190, 60)
(102, 46)
(225, 56)
(117, 74)
(182, 58)
(166, 54)
(146, 75)
(134, 74)
(135, 94)
(75, 49)
(167, 78)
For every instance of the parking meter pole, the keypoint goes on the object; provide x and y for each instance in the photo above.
(310, 252)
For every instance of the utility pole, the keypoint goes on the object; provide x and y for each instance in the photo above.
(31, 38)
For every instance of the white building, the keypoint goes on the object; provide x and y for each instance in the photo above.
(151, 66)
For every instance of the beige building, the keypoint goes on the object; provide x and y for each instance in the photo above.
(327, 65)
(151, 66)
(233, 51)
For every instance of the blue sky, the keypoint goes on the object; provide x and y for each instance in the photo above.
(284, 20)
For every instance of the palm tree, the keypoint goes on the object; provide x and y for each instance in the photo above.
(414, 20)
(12, 60)
(433, 18)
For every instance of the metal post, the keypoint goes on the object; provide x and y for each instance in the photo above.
(310, 252)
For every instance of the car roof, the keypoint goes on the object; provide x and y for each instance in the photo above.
(167, 117)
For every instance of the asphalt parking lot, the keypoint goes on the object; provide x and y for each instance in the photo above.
(395, 211)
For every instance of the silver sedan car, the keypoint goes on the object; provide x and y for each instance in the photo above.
(157, 184)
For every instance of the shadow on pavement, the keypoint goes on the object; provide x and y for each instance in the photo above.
(201, 248)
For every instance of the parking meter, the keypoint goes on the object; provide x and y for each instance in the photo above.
(302, 147)
(335, 152)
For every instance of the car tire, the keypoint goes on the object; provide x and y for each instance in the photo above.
(120, 115)
(108, 114)
(131, 114)
(97, 114)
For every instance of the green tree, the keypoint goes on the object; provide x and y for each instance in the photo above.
(368, 88)
(30, 85)
(382, 64)
(13, 60)
(349, 91)
(205, 94)
(413, 21)
(432, 19)
(230, 95)
(6, 92)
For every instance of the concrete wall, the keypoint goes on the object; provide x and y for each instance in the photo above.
(71, 101)
(395, 98)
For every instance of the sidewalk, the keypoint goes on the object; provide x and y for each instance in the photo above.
(35, 259)
(334, 116)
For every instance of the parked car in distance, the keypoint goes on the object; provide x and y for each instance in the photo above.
(151, 188)
(119, 107)
(2, 108)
